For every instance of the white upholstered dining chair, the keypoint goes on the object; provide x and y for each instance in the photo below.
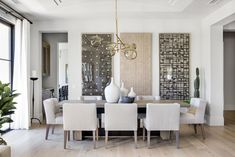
(120, 117)
(93, 98)
(141, 116)
(79, 117)
(195, 115)
(162, 117)
(147, 97)
(90, 97)
(53, 114)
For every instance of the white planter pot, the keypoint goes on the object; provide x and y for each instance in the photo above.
(112, 92)
(5, 151)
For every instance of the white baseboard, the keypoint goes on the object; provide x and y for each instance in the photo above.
(214, 120)
(229, 107)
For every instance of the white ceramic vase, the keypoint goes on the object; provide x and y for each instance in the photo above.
(132, 93)
(123, 90)
(112, 92)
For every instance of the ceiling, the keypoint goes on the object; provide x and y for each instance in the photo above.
(71, 9)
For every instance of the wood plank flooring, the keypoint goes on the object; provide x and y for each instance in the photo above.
(229, 117)
(220, 142)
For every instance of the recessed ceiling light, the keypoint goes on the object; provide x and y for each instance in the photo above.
(57, 2)
(212, 2)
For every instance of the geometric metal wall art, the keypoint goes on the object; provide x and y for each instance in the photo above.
(96, 63)
(174, 50)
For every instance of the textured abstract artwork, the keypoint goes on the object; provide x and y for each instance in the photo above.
(96, 63)
(137, 73)
(174, 61)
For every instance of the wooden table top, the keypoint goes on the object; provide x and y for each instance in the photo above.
(140, 103)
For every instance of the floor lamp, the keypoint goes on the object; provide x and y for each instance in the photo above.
(33, 78)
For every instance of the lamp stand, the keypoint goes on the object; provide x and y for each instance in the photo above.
(33, 118)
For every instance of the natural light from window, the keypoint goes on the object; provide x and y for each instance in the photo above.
(5, 53)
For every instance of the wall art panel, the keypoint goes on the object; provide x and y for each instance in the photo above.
(96, 63)
(137, 73)
(174, 65)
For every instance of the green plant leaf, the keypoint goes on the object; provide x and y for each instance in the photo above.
(7, 104)
(4, 120)
(7, 113)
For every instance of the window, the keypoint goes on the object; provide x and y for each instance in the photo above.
(6, 56)
(5, 53)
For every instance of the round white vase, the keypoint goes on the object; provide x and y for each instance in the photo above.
(132, 93)
(112, 92)
(123, 90)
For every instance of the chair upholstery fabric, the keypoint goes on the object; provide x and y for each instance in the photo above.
(120, 117)
(147, 97)
(80, 116)
(198, 117)
(53, 116)
(162, 117)
(141, 116)
(93, 97)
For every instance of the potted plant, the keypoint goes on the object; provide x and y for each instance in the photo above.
(7, 105)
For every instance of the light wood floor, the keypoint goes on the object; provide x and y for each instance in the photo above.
(220, 142)
(229, 117)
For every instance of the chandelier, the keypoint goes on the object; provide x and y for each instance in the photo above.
(129, 50)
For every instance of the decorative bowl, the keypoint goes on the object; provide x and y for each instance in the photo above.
(127, 99)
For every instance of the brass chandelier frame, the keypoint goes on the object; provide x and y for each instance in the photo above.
(129, 50)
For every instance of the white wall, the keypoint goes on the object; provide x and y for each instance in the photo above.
(212, 61)
(53, 39)
(76, 27)
(63, 60)
(229, 72)
(230, 26)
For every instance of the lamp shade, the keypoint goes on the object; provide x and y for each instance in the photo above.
(34, 74)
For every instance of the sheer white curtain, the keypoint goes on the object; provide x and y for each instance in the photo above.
(21, 81)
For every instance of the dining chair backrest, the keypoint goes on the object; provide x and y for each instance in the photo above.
(162, 116)
(120, 117)
(50, 110)
(147, 97)
(79, 116)
(200, 106)
(88, 97)
(157, 97)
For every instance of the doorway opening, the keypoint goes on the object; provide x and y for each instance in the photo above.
(229, 76)
(54, 66)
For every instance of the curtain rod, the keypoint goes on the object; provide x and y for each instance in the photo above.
(13, 12)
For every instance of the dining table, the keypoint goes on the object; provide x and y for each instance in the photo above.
(141, 111)
(140, 103)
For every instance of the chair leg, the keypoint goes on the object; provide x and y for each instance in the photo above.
(203, 131)
(97, 134)
(65, 138)
(47, 131)
(73, 135)
(94, 141)
(135, 138)
(53, 129)
(141, 123)
(170, 138)
(106, 138)
(143, 133)
(148, 138)
(195, 128)
(69, 135)
(177, 139)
